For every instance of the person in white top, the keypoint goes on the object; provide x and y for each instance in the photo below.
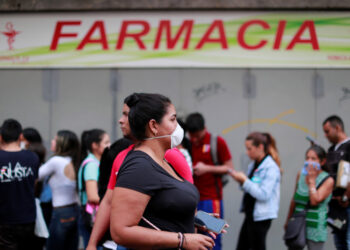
(62, 169)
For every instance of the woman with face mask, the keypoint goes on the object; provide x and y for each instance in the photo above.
(314, 174)
(152, 205)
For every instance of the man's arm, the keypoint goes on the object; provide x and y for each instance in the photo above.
(200, 168)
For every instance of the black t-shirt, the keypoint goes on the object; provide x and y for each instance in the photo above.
(18, 171)
(248, 200)
(173, 203)
(333, 159)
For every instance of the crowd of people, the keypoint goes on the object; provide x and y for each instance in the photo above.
(144, 190)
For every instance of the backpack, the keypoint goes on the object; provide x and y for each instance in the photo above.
(214, 156)
(86, 216)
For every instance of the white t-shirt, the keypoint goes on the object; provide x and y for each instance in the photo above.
(63, 189)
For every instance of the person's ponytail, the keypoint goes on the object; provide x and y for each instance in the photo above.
(272, 149)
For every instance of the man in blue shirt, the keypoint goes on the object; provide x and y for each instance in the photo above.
(18, 171)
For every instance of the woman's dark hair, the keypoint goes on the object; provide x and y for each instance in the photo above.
(186, 143)
(35, 143)
(321, 154)
(106, 163)
(143, 108)
(67, 144)
(269, 144)
(39, 150)
(88, 138)
(32, 135)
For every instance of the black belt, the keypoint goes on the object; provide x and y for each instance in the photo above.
(69, 205)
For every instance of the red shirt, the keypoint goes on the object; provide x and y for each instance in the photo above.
(173, 156)
(209, 185)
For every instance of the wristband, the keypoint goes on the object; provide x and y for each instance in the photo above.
(313, 190)
(180, 236)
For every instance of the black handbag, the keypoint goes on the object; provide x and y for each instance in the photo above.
(295, 235)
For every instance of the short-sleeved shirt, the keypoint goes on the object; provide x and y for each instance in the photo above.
(335, 154)
(91, 173)
(209, 185)
(173, 203)
(63, 188)
(18, 171)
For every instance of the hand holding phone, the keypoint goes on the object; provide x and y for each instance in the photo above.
(211, 223)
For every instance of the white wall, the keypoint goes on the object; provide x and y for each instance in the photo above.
(83, 99)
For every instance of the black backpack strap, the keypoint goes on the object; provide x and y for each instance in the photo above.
(322, 181)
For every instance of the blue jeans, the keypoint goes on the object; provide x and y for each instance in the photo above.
(213, 206)
(342, 238)
(64, 229)
(83, 231)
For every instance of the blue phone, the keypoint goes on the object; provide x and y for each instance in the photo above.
(210, 222)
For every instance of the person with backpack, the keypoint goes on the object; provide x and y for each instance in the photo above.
(207, 171)
(93, 142)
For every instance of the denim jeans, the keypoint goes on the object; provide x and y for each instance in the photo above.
(64, 229)
(342, 238)
(83, 231)
(213, 206)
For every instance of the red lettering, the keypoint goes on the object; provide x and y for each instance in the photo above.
(58, 32)
(186, 26)
(313, 37)
(136, 36)
(217, 24)
(99, 25)
(279, 34)
(242, 30)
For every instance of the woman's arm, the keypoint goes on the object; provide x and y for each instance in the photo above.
(91, 172)
(92, 191)
(262, 190)
(127, 209)
(47, 168)
(320, 194)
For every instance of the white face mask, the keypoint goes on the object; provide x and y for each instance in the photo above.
(176, 136)
(22, 144)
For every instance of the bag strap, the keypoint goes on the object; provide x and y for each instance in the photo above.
(214, 149)
(214, 157)
(151, 224)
